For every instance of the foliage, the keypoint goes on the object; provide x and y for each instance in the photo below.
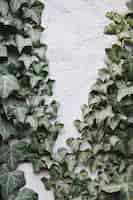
(28, 113)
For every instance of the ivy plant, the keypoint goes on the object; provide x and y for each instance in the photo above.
(97, 165)
(28, 112)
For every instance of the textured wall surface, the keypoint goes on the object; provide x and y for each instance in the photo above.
(76, 50)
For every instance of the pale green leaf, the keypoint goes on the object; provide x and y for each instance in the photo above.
(8, 84)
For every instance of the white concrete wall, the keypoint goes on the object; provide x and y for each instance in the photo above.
(76, 50)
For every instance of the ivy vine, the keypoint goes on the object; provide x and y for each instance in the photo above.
(97, 165)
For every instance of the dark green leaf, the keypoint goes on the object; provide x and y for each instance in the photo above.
(10, 182)
(23, 42)
(27, 194)
(6, 129)
(16, 5)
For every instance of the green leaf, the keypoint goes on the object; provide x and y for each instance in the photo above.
(34, 33)
(30, 14)
(74, 143)
(28, 60)
(40, 67)
(6, 130)
(8, 84)
(34, 80)
(32, 121)
(117, 18)
(4, 152)
(130, 146)
(128, 69)
(60, 155)
(34, 13)
(3, 53)
(104, 114)
(27, 194)
(11, 182)
(4, 8)
(124, 92)
(41, 163)
(112, 28)
(15, 110)
(23, 42)
(19, 152)
(114, 140)
(111, 188)
(71, 162)
(16, 5)
(49, 87)
(116, 53)
(41, 52)
(48, 183)
(102, 87)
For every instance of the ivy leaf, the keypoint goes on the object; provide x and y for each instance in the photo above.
(4, 152)
(60, 155)
(41, 163)
(124, 92)
(111, 188)
(34, 33)
(6, 129)
(128, 69)
(32, 121)
(28, 60)
(70, 161)
(15, 110)
(30, 14)
(47, 87)
(8, 84)
(104, 114)
(12, 196)
(10, 182)
(16, 153)
(34, 13)
(20, 114)
(16, 5)
(113, 28)
(74, 143)
(3, 53)
(102, 87)
(48, 183)
(23, 42)
(4, 8)
(114, 16)
(116, 53)
(19, 152)
(27, 194)
(34, 80)
(41, 52)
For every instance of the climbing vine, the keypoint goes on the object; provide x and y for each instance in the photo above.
(28, 113)
(97, 165)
